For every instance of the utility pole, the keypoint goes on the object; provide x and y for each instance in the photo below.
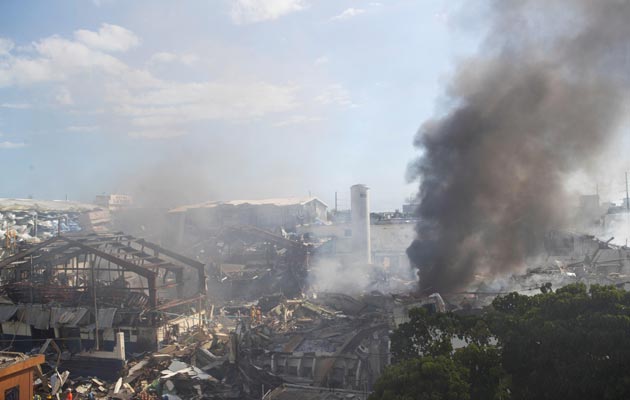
(335, 201)
(92, 265)
(627, 197)
(627, 210)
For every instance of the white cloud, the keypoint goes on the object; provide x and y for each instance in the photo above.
(296, 120)
(143, 104)
(63, 57)
(348, 13)
(16, 106)
(322, 60)
(172, 103)
(64, 97)
(189, 58)
(166, 57)
(58, 59)
(108, 38)
(249, 11)
(6, 45)
(82, 128)
(162, 57)
(157, 133)
(25, 71)
(335, 94)
(11, 145)
(99, 3)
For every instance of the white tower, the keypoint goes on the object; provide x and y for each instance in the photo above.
(360, 207)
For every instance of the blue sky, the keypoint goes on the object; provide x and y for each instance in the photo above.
(180, 101)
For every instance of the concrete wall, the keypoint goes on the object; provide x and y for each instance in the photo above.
(388, 242)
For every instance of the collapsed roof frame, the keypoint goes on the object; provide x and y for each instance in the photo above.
(123, 253)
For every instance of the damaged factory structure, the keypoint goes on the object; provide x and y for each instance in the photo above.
(242, 299)
(224, 304)
(84, 290)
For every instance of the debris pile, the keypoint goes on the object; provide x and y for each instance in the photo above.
(246, 351)
(34, 226)
(31, 221)
(248, 262)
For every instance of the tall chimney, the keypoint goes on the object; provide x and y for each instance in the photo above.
(360, 206)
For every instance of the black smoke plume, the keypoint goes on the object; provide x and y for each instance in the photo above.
(538, 103)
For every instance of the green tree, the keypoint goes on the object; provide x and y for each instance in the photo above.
(486, 377)
(433, 335)
(423, 378)
(571, 344)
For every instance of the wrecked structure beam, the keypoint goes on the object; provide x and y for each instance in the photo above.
(148, 274)
(200, 267)
(90, 286)
(71, 257)
(11, 259)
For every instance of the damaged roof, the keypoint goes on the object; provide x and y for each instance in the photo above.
(119, 253)
(279, 202)
(44, 205)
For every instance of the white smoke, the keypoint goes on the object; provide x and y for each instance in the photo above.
(334, 275)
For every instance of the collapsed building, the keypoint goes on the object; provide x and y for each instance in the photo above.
(334, 341)
(233, 313)
(230, 314)
(270, 214)
(249, 262)
(81, 290)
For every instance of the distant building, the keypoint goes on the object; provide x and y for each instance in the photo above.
(410, 206)
(270, 214)
(388, 241)
(114, 202)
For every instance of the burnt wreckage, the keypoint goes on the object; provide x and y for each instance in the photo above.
(81, 290)
(249, 262)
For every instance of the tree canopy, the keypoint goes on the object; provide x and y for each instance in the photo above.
(570, 344)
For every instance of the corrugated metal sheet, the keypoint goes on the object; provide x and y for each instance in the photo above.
(106, 317)
(35, 315)
(66, 316)
(7, 311)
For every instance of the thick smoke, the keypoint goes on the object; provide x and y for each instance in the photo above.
(539, 103)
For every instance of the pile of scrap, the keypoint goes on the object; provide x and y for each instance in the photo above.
(249, 262)
(196, 366)
(333, 341)
(32, 221)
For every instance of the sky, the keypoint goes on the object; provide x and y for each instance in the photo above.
(184, 101)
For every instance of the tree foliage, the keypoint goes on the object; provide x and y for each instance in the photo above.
(571, 344)
(421, 378)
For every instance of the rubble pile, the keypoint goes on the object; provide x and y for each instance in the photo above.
(188, 369)
(246, 351)
(248, 262)
(31, 221)
(33, 226)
